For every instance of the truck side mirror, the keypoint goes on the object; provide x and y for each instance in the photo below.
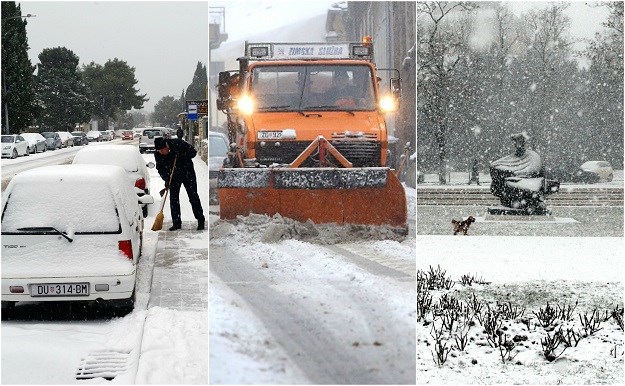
(396, 88)
(223, 90)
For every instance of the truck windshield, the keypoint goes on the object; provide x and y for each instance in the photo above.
(313, 87)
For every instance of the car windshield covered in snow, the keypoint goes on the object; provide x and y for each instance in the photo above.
(313, 87)
(8, 139)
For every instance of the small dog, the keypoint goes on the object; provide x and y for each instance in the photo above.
(462, 226)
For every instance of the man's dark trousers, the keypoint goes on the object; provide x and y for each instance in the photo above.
(190, 185)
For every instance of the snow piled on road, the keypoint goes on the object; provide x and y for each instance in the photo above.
(299, 259)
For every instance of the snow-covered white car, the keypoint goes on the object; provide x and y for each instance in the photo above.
(594, 171)
(14, 146)
(36, 142)
(50, 254)
(67, 139)
(126, 157)
(95, 136)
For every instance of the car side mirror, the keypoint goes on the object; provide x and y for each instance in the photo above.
(150, 165)
(146, 199)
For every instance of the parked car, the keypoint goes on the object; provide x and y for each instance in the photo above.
(127, 135)
(67, 139)
(594, 171)
(217, 152)
(94, 136)
(53, 140)
(420, 177)
(106, 135)
(146, 143)
(80, 138)
(137, 132)
(36, 142)
(14, 146)
(86, 255)
(126, 157)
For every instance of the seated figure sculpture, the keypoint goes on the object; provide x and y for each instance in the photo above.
(519, 181)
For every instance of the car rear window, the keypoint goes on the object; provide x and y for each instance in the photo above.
(152, 133)
(70, 206)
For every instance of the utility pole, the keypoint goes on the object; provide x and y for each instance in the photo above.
(217, 35)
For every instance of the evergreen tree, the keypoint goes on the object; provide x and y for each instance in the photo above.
(62, 96)
(112, 89)
(166, 111)
(197, 88)
(18, 83)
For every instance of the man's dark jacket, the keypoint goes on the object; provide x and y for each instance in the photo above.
(184, 165)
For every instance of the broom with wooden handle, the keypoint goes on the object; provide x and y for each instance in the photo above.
(158, 221)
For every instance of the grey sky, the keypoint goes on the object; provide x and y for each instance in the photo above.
(245, 18)
(162, 40)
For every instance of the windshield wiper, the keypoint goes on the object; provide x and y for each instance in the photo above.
(46, 229)
(331, 107)
(273, 107)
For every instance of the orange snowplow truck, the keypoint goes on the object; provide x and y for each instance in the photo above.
(308, 139)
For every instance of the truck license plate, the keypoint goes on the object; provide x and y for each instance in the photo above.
(59, 289)
(269, 134)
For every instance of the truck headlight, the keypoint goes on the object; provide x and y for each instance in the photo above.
(388, 104)
(245, 104)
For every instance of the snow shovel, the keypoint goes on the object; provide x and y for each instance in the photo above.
(158, 220)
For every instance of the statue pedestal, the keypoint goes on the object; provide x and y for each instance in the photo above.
(504, 210)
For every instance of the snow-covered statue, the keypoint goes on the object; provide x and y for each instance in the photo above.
(519, 180)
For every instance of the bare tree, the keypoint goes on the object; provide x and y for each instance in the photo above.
(440, 49)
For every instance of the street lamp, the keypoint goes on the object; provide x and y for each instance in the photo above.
(4, 83)
(474, 171)
(18, 17)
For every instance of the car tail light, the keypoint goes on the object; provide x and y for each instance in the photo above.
(140, 183)
(16, 289)
(125, 246)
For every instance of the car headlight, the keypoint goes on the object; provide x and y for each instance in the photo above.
(6, 147)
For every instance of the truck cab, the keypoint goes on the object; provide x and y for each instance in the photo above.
(286, 95)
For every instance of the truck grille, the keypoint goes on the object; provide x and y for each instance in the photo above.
(361, 153)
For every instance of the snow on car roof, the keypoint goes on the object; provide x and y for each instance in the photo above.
(73, 198)
(32, 135)
(126, 157)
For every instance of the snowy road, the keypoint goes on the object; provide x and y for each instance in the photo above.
(159, 342)
(335, 308)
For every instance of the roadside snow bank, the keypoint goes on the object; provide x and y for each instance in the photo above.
(268, 229)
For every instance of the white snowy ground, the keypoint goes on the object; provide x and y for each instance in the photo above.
(240, 348)
(528, 272)
(174, 344)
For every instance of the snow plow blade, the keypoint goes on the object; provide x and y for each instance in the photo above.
(366, 196)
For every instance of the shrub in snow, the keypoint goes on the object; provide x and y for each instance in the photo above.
(592, 323)
(617, 315)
